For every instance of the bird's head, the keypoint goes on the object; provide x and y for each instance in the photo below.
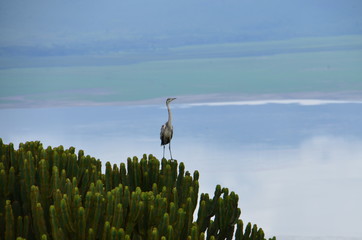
(169, 100)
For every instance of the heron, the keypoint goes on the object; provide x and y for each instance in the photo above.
(167, 129)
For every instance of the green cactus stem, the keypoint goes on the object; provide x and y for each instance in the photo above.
(54, 193)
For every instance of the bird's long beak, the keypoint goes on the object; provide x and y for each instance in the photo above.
(173, 99)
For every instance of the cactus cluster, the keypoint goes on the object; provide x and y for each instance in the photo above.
(54, 193)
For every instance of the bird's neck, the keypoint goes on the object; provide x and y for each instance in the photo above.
(169, 115)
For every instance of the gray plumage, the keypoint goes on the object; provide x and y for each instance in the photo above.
(167, 129)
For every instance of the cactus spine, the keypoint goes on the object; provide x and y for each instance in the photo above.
(54, 193)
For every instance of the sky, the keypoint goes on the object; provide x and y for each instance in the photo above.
(295, 164)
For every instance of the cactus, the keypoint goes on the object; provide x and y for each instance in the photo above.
(54, 193)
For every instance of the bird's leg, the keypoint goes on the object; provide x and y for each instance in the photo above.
(169, 147)
(163, 151)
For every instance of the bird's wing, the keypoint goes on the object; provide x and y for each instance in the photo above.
(171, 130)
(163, 127)
(166, 134)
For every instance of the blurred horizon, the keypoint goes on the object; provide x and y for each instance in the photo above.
(306, 68)
(67, 53)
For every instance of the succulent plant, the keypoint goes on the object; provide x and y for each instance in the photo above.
(54, 193)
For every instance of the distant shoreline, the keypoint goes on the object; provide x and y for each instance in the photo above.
(302, 98)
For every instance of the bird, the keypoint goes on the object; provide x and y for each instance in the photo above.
(167, 129)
